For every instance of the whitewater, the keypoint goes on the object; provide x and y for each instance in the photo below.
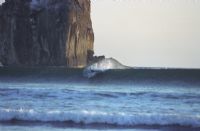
(120, 99)
(103, 66)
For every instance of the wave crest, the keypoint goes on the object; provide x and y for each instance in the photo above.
(102, 66)
(90, 117)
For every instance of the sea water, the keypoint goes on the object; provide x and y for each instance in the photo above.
(45, 99)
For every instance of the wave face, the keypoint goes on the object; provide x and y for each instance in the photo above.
(102, 66)
(185, 77)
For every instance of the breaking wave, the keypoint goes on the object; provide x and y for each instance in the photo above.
(95, 117)
(101, 75)
(102, 66)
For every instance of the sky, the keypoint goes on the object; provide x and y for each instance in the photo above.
(148, 33)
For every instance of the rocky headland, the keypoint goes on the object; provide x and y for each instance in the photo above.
(46, 33)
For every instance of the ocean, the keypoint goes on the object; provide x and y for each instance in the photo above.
(62, 99)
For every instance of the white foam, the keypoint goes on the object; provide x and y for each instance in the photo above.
(102, 66)
(2, 1)
(89, 117)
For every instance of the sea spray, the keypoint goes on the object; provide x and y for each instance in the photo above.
(102, 66)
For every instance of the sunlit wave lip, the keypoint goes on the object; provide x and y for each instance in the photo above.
(102, 66)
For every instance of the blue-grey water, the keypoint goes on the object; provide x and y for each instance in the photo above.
(146, 101)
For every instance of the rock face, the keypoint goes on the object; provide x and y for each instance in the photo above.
(92, 59)
(45, 33)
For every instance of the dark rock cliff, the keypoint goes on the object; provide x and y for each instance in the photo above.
(45, 33)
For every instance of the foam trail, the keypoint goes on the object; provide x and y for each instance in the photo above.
(102, 66)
